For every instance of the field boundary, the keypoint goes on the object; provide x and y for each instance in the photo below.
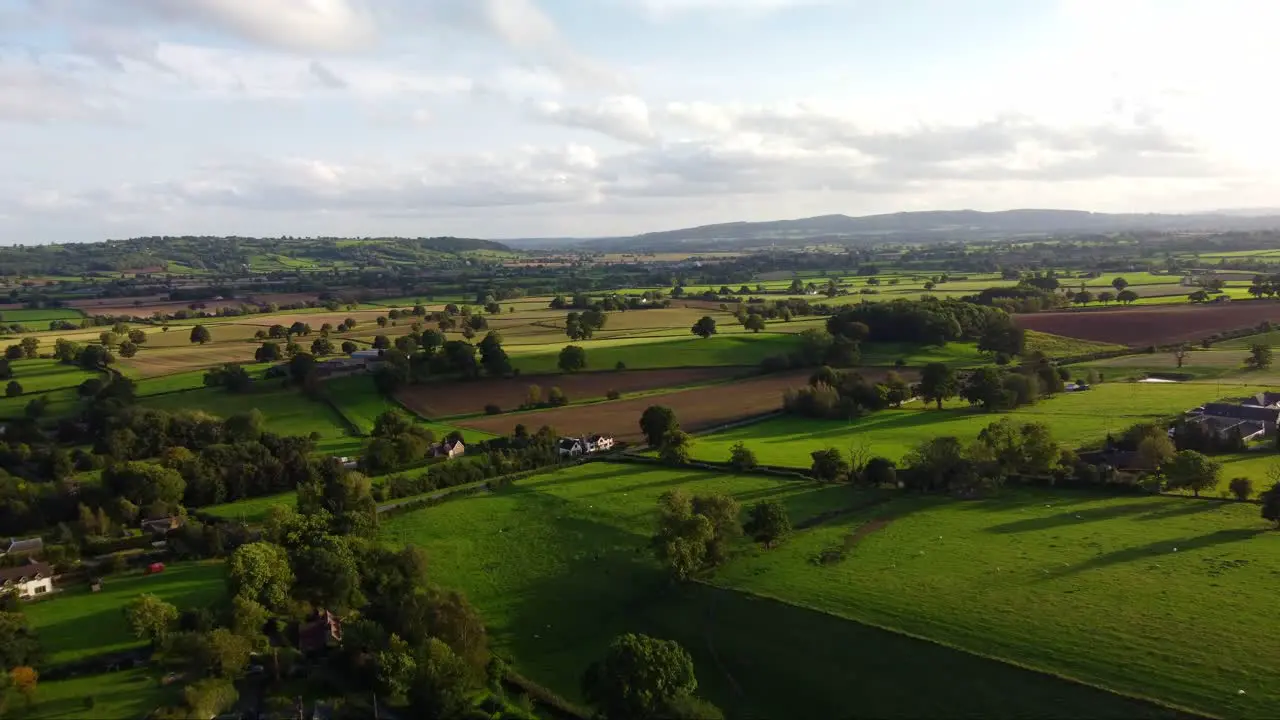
(1189, 713)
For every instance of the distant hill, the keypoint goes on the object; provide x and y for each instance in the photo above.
(930, 226)
(234, 255)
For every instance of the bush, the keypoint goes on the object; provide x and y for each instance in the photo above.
(1241, 488)
(492, 409)
(620, 366)
(613, 395)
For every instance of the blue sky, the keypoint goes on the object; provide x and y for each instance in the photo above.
(520, 118)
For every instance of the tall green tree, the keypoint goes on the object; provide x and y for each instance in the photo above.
(938, 383)
(656, 422)
(200, 334)
(1192, 471)
(639, 678)
(150, 618)
(705, 327)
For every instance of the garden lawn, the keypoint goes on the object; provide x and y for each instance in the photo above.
(77, 623)
(1076, 419)
(123, 694)
(1160, 597)
(559, 564)
(641, 353)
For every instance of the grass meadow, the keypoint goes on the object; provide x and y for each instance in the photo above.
(647, 352)
(75, 622)
(1076, 419)
(559, 564)
(44, 378)
(122, 694)
(31, 317)
(1153, 596)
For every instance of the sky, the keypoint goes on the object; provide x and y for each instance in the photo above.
(556, 118)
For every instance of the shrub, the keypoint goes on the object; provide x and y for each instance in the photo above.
(492, 409)
(613, 395)
(1241, 488)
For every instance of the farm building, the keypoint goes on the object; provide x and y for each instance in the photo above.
(1253, 417)
(28, 580)
(28, 546)
(449, 450)
(575, 447)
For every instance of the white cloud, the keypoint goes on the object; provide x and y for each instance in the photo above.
(300, 25)
(623, 117)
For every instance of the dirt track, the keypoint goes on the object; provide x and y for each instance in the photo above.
(1159, 325)
(448, 399)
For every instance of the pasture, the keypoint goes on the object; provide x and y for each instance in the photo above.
(286, 412)
(637, 353)
(559, 564)
(1076, 419)
(32, 317)
(1158, 597)
(39, 375)
(121, 694)
(76, 623)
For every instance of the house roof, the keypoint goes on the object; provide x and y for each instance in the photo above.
(569, 443)
(1241, 412)
(597, 438)
(1266, 398)
(25, 573)
(27, 545)
(316, 633)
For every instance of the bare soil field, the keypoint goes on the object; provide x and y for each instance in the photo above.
(445, 400)
(696, 408)
(1152, 325)
(152, 362)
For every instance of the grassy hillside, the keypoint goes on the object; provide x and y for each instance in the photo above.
(559, 564)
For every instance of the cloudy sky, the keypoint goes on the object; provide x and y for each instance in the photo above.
(526, 118)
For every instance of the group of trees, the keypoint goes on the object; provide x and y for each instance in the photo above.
(832, 394)
(662, 431)
(696, 533)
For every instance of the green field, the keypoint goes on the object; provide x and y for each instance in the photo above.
(1270, 339)
(954, 354)
(559, 564)
(49, 378)
(287, 412)
(1139, 594)
(122, 694)
(77, 623)
(37, 375)
(641, 353)
(190, 380)
(1056, 346)
(251, 510)
(31, 318)
(1076, 419)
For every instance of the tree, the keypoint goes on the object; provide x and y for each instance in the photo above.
(150, 618)
(381, 342)
(768, 522)
(200, 334)
(1127, 297)
(137, 337)
(829, 465)
(209, 697)
(322, 346)
(705, 328)
(128, 349)
(1271, 504)
(639, 677)
(1154, 451)
(1192, 470)
(880, 472)
(937, 383)
(1119, 284)
(656, 422)
(443, 684)
(24, 679)
(301, 366)
(1241, 487)
(145, 483)
(572, 359)
(741, 458)
(1259, 356)
(674, 449)
(30, 347)
(261, 572)
(681, 541)
(1002, 336)
(13, 389)
(19, 644)
(269, 352)
(754, 322)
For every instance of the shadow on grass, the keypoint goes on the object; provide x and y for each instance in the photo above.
(1161, 548)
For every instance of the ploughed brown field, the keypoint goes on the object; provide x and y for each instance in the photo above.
(697, 408)
(1157, 325)
(446, 399)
